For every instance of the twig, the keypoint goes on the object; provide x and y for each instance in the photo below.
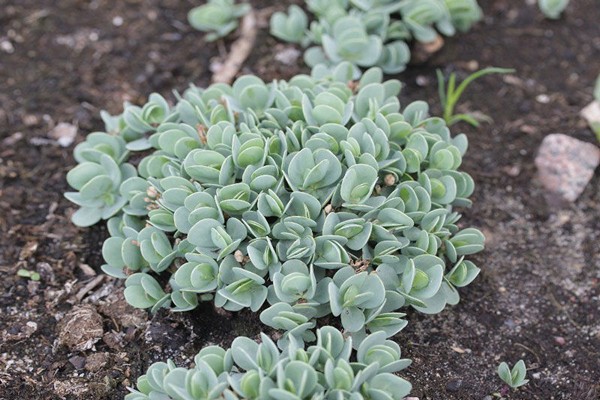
(531, 351)
(240, 50)
(563, 309)
(92, 284)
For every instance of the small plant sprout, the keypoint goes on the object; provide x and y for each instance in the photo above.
(515, 377)
(553, 8)
(450, 94)
(23, 273)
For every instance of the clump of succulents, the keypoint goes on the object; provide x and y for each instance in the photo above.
(217, 18)
(301, 199)
(371, 32)
(249, 370)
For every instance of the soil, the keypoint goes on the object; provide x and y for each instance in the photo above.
(537, 298)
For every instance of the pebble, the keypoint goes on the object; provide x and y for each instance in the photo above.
(30, 328)
(542, 98)
(422, 80)
(96, 361)
(566, 165)
(423, 51)
(592, 113)
(6, 46)
(288, 56)
(559, 340)
(12, 139)
(454, 385)
(64, 134)
(31, 120)
(77, 361)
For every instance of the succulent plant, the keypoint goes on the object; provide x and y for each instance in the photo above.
(463, 13)
(217, 17)
(97, 185)
(249, 370)
(553, 8)
(299, 199)
(291, 27)
(371, 32)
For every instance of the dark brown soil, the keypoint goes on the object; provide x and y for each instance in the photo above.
(538, 297)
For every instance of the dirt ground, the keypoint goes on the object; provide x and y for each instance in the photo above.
(538, 297)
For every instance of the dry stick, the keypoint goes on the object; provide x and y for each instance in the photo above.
(240, 50)
(92, 284)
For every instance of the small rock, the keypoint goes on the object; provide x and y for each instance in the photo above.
(457, 349)
(12, 139)
(6, 46)
(28, 250)
(33, 287)
(472, 65)
(16, 332)
(96, 361)
(591, 113)
(454, 385)
(31, 120)
(77, 361)
(63, 133)
(288, 56)
(46, 271)
(542, 98)
(423, 51)
(559, 340)
(529, 129)
(536, 375)
(422, 80)
(513, 170)
(488, 397)
(81, 328)
(566, 165)
(30, 328)
(114, 340)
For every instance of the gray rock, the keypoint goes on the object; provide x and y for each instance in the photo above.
(566, 165)
(77, 361)
(454, 385)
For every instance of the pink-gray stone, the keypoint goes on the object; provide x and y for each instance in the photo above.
(566, 165)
